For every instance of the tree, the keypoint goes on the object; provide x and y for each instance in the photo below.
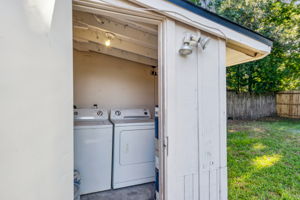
(277, 20)
(207, 4)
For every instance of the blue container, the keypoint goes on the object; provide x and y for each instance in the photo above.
(156, 122)
(76, 185)
(156, 156)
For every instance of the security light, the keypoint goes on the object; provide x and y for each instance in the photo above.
(186, 49)
(203, 42)
(190, 41)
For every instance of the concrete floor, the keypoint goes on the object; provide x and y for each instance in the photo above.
(138, 192)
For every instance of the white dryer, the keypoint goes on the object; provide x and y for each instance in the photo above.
(93, 149)
(134, 147)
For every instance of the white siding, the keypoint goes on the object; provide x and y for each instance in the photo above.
(36, 137)
(195, 119)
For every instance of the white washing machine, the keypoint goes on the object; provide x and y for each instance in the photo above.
(93, 135)
(134, 146)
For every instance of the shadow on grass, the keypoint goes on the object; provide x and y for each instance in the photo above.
(263, 161)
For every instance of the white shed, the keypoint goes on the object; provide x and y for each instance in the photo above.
(54, 54)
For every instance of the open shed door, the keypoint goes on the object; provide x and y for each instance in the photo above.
(194, 118)
(36, 83)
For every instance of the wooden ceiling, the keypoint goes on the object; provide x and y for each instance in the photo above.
(135, 41)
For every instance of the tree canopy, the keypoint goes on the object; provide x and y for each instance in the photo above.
(278, 20)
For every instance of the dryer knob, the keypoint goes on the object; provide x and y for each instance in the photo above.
(118, 113)
(99, 113)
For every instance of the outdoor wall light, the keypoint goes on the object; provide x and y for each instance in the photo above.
(203, 42)
(190, 41)
(186, 49)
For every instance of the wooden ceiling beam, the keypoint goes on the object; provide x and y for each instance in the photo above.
(87, 46)
(117, 8)
(148, 28)
(124, 30)
(100, 38)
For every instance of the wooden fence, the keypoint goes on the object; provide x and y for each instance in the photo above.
(288, 104)
(250, 106)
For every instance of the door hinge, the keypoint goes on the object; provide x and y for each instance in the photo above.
(166, 144)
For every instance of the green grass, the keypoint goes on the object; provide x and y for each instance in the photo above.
(264, 160)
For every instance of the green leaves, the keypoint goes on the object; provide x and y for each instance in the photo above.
(278, 21)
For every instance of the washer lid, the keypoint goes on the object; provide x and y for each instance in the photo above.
(133, 122)
(92, 124)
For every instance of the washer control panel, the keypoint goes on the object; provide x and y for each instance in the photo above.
(90, 114)
(140, 113)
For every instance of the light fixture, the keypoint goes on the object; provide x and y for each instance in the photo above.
(107, 42)
(110, 37)
(190, 41)
(185, 49)
(203, 42)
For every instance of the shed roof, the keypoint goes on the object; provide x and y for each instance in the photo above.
(222, 21)
(242, 44)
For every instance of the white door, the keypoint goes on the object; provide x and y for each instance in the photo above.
(36, 131)
(194, 118)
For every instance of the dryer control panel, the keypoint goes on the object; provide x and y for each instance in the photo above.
(90, 114)
(121, 114)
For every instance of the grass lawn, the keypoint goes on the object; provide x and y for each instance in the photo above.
(264, 159)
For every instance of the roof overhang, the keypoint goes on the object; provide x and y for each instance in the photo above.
(221, 20)
(243, 45)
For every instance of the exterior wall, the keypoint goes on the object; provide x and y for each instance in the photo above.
(112, 82)
(195, 118)
(36, 132)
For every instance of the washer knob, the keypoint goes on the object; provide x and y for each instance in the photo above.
(118, 113)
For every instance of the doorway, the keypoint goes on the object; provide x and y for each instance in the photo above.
(117, 65)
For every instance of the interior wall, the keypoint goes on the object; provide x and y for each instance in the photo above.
(112, 82)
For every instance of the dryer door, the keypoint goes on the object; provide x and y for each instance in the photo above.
(133, 155)
(136, 146)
